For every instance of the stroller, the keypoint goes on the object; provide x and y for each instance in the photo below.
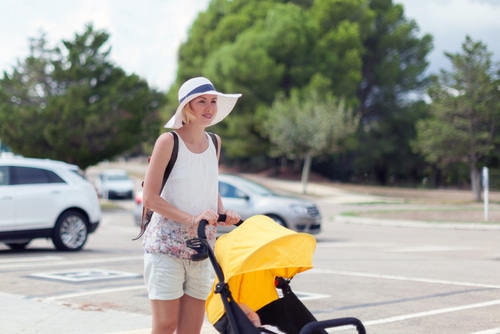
(254, 265)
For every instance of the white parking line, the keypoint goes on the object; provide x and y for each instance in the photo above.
(429, 248)
(433, 312)
(489, 331)
(401, 278)
(96, 292)
(43, 262)
(31, 259)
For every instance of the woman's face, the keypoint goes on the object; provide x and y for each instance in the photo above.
(204, 108)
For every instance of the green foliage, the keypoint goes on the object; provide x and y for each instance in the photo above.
(308, 123)
(366, 50)
(465, 112)
(393, 65)
(73, 104)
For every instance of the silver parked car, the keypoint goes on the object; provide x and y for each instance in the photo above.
(249, 198)
(115, 183)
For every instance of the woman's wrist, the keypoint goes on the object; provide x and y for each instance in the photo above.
(189, 221)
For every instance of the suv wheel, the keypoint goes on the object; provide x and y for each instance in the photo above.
(70, 232)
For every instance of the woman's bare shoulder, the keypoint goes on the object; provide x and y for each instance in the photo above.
(166, 138)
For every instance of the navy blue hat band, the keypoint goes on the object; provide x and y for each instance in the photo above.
(197, 90)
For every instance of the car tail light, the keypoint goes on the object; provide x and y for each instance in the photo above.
(138, 199)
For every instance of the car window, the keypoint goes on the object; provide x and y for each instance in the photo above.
(254, 187)
(28, 175)
(4, 175)
(227, 190)
(79, 172)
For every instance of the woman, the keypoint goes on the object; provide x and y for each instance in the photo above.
(178, 287)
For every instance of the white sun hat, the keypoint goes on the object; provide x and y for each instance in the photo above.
(199, 86)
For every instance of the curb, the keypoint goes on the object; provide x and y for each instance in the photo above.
(415, 223)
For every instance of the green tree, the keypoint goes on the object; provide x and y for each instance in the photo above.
(307, 125)
(394, 63)
(465, 113)
(262, 48)
(266, 50)
(72, 103)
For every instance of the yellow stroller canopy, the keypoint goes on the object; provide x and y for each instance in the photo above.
(252, 255)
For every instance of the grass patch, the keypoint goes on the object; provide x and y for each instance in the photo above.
(466, 215)
(109, 206)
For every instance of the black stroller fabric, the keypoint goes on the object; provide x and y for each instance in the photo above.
(244, 325)
(288, 314)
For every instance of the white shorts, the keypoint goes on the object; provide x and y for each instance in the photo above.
(169, 278)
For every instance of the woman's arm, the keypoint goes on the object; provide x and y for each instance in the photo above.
(232, 217)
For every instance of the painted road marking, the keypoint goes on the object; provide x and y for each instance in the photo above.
(84, 275)
(96, 292)
(400, 278)
(432, 312)
(51, 263)
(429, 248)
(301, 295)
(31, 259)
(489, 331)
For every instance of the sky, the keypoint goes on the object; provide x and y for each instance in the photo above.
(145, 34)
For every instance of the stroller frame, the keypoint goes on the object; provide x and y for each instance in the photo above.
(294, 316)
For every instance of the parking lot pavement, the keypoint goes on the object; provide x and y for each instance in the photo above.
(30, 316)
(22, 315)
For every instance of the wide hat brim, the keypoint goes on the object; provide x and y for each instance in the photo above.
(225, 104)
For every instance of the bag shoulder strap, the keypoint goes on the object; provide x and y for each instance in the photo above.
(166, 174)
(216, 142)
(171, 162)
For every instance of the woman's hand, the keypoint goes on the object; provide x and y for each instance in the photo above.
(209, 215)
(252, 315)
(232, 217)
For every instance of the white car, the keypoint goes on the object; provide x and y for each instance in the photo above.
(249, 198)
(115, 183)
(41, 198)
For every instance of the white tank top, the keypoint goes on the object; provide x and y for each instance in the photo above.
(192, 187)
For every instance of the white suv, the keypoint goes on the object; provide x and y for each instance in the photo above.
(41, 198)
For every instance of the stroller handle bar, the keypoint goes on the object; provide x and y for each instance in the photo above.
(203, 223)
(200, 244)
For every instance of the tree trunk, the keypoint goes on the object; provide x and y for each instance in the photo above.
(475, 178)
(305, 172)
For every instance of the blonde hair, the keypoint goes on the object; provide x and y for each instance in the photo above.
(187, 114)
